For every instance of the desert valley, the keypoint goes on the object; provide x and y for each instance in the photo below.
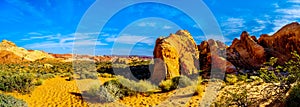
(251, 71)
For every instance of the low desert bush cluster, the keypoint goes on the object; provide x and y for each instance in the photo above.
(119, 88)
(21, 82)
(231, 79)
(88, 75)
(10, 101)
(176, 82)
(200, 87)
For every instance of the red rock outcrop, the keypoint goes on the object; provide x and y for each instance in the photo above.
(246, 53)
(282, 43)
(175, 55)
(212, 56)
(250, 53)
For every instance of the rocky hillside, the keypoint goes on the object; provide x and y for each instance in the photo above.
(250, 54)
(178, 54)
(9, 52)
(282, 43)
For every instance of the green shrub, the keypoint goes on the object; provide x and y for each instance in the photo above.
(294, 97)
(167, 85)
(88, 75)
(21, 82)
(119, 88)
(240, 99)
(176, 82)
(101, 93)
(47, 76)
(200, 87)
(293, 66)
(182, 81)
(66, 74)
(269, 75)
(71, 78)
(231, 79)
(10, 101)
(242, 77)
(106, 75)
(137, 86)
(39, 82)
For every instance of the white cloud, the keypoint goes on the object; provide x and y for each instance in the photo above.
(286, 15)
(261, 25)
(146, 24)
(34, 33)
(64, 41)
(279, 23)
(276, 5)
(233, 25)
(293, 12)
(63, 45)
(234, 22)
(131, 39)
(196, 26)
(258, 28)
(167, 27)
(294, 1)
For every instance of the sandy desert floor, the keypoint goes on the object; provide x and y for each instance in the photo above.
(58, 92)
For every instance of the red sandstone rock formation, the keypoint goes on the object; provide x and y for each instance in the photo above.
(212, 56)
(282, 43)
(246, 53)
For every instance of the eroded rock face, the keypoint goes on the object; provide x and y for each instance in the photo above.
(8, 46)
(212, 56)
(246, 53)
(175, 55)
(282, 43)
(250, 53)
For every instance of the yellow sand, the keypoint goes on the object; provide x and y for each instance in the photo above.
(58, 92)
(54, 92)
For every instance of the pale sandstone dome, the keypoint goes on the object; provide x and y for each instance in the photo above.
(175, 55)
(23, 54)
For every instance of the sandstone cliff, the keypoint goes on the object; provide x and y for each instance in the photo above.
(175, 55)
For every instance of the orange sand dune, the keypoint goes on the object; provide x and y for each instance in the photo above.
(58, 92)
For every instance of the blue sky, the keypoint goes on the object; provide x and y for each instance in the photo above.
(51, 25)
